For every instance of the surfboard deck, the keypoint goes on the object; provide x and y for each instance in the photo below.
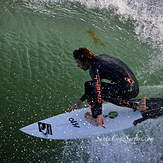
(74, 126)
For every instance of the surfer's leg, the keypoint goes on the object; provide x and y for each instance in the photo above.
(119, 96)
(127, 103)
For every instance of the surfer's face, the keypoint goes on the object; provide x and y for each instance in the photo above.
(83, 65)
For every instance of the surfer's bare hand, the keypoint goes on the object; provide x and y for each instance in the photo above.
(101, 121)
(75, 106)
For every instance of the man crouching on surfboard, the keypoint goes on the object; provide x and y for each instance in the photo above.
(122, 87)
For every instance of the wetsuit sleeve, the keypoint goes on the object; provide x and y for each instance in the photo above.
(97, 109)
(83, 98)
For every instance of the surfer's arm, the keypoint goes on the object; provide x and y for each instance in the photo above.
(83, 98)
(75, 106)
(97, 109)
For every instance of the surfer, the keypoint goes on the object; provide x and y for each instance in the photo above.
(122, 85)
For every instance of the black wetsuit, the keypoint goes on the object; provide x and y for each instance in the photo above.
(122, 87)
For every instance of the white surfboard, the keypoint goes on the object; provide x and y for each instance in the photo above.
(74, 126)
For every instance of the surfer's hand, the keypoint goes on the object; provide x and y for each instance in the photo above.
(75, 106)
(101, 121)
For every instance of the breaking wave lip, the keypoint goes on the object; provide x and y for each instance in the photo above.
(146, 15)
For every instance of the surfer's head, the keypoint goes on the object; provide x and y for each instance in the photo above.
(83, 57)
(83, 54)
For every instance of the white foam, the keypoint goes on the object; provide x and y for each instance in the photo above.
(147, 14)
(138, 144)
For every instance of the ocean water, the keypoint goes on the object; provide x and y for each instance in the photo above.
(39, 77)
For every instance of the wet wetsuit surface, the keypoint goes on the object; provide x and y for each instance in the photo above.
(123, 84)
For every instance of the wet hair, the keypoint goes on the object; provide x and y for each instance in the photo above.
(83, 54)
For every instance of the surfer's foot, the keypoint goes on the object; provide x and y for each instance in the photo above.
(90, 119)
(142, 105)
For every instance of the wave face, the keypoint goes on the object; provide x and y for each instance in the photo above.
(39, 77)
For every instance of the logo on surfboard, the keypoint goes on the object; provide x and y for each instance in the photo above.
(45, 129)
(73, 122)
